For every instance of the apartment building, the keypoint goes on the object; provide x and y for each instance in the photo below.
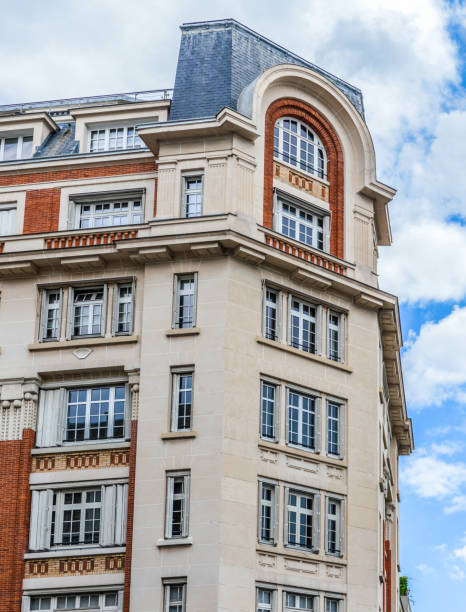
(202, 402)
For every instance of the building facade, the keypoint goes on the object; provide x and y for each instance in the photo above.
(202, 403)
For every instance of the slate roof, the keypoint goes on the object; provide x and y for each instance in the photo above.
(58, 143)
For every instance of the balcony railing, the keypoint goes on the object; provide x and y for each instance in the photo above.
(87, 240)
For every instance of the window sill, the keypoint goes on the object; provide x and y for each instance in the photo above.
(75, 552)
(296, 452)
(64, 344)
(297, 553)
(76, 448)
(317, 358)
(183, 331)
(178, 435)
(175, 542)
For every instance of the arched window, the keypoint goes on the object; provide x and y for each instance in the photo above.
(296, 144)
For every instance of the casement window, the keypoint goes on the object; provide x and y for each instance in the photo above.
(87, 311)
(304, 325)
(335, 336)
(123, 309)
(86, 414)
(296, 144)
(177, 505)
(268, 411)
(95, 211)
(17, 147)
(302, 520)
(174, 595)
(332, 604)
(7, 219)
(182, 401)
(268, 514)
(192, 196)
(51, 314)
(271, 317)
(265, 599)
(114, 139)
(303, 420)
(95, 601)
(184, 300)
(78, 517)
(334, 527)
(335, 433)
(295, 601)
(302, 223)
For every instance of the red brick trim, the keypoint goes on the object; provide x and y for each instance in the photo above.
(41, 211)
(129, 524)
(290, 107)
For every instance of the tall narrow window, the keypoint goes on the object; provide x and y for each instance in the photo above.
(184, 307)
(174, 596)
(7, 219)
(88, 311)
(267, 512)
(192, 196)
(303, 424)
(303, 326)
(334, 429)
(51, 315)
(177, 505)
(124, 309)
(302, 224)
(332, 605)
(334, 527)
(95, 414)
(271, 313)
(299, 509)
(335, 336)
(182, 403)
(81, 517)
(296, 144)
(295, 601)
(264, 600)
(268, 411)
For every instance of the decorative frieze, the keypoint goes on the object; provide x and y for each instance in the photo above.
(18, 408)
(74, 566)
(300, 181)
(80, 461)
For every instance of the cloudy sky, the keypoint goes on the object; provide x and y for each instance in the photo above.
(408, 58)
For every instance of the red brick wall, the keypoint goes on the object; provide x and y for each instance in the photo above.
(129, 524)
(42, 210)
(15, 462)
(299, 110)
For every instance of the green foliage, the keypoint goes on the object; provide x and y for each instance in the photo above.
(404, 585)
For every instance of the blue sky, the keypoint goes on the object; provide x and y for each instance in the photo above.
(408, 58)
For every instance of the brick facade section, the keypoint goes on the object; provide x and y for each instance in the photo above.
(129, 524)
(288, 107)
(41, 211)
(15, 460)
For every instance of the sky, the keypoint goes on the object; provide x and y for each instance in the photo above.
(408, 57)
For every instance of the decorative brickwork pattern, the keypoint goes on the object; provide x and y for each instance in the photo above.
(14, 517)
(42, 211)
(82, 240)
(305, 254)
(80, 461)
(299, 181)
(129, 528)
(74, 566)
(288, 107)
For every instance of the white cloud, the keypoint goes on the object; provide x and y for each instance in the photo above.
(460, 553)
(434, 478)
(456, 573)
(435, 361)
(457, 504)
(425, 569)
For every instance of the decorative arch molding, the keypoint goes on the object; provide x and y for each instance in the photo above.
(297, 109)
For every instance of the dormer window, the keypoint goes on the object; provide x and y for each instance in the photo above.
(15, 147)
(114, 139)
(296, 144)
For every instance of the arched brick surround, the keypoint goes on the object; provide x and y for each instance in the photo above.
(289, 107)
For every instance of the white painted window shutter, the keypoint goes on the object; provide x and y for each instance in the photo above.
(316, 524)
(318, 330)
(341, 431)
(341, 338)
(107, 534)
(342, 528)
(128, 409)
(121, 511)
(50, 421)
(317, 422)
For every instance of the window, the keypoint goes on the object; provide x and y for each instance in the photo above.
(303, 224)
(51, 314)
(176, 524)
(334, 527)
(182, 402)
(303, 420)
(295, 601)
(302, 518)
(75, 601)
(335, 336)
(303, 326)
(267, 513)
(95, 414)
(296, 144)
(174, 596)
(184, 301)
(78, 517)
(268, 411)
(7, 219)
(264, 600)
(88, 312)
(332, 605)
(104, 212)
(271, 313)
(192, 196)
(18, 147)
(114, 139)
(334, 429)
(123, 309)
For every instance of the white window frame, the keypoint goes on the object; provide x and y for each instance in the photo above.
(267, 305)
(117, 301)
(168, 583)
(45, 309)
(171, 496)
(197, 176)
(338, 527)
(303, 223)
(95, 199)
(83, 506)
(177, 374)
(337, 355)
(265, 606)
(314, 513)
(72, 309)
(27, 600)
(340, 431)
(177, 294)
(272, 505)
(310, 143)
(299, 593)
(302, 418)
(104, 132)
(9, 226)
(304, 319)
(19, 146)
(275, 409)
(332, 599)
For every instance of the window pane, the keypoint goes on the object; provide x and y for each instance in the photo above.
(11, 149)
(27, 147)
